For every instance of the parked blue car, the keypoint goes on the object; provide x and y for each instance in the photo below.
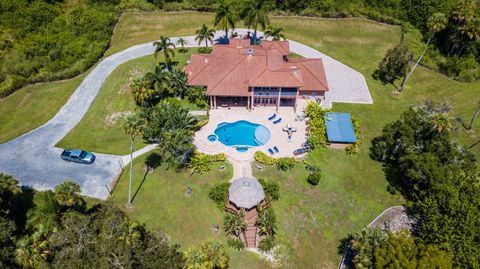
(78, 156)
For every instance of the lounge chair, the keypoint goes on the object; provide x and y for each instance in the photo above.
(273, 117)
(300, 151)
(270, 151)
(276, 149)
(277, 121)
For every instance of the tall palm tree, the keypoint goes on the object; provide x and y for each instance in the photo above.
(141, 90)
(27, 254)
(167, 47)
(436, 23)
(178, 83)
(204, 34)
(255, 14)
(182, 42)
(133, 125)
(276, 33)
(67, 194)
(225, 16)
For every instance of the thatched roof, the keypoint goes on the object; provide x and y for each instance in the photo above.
(246, 192)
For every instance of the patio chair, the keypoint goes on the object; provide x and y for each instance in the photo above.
(273, 117)
(270, 151)
(277, 121)
(276, 149)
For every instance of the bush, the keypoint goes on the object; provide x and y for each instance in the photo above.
(200, 163)
(205, 50)
(218, 157)
(219, 193)
(271, 188)
(314, 178)
(264, 158)
(354, 148)
(235, 243)
(285, 164)
(267, 243)
(317, 134)
(197, 96)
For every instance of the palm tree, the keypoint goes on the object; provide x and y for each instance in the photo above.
(266, 222)
(27, 254)
(225, 16)
(234, 224)
(182, 42)
(167, 47)
(276, 33)
(9, 189)
(141, 90)
(436, 23)
(178, 83)
(441, 122)
(159, 79)
(133, 125)
(210, 255)
(67, 194)
(204, 33)
(255, 14)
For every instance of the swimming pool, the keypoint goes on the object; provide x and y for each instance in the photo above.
(242, 133)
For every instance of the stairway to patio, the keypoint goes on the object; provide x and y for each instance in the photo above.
(251, 232)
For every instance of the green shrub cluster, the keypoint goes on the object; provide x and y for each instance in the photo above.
(271, 189)
(267, 243)
(235, 243)
(317, 133)
(205, 50)
(201, 163)
(286, 163)
(314, 178)
(354, 148)
(49, 41)
(219, 193)
(263, 158)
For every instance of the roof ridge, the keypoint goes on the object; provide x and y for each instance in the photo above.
(228, 73)
(201, 69)
(313, 75)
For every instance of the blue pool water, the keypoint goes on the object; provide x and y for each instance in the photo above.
(242, 133)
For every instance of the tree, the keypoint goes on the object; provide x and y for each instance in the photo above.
(178, 83)
(437, 178)
(9, 190)
(267, 222)
(142, 91)
(436, 23)
(67, 194)
(255, 13)
(276, 33)
(394, 65)
(182, 42)
(172, 126)
(159, 79)
(234, 224)
(225, 17)
(197, 95)
(204, 34)
(167, 47)
(210, 255)
(133, 126)
(464, 28)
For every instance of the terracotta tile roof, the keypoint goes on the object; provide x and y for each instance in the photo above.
(229, 70)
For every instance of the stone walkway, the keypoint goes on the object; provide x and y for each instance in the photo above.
(34, 160)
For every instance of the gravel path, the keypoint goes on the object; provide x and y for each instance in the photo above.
(33, 159)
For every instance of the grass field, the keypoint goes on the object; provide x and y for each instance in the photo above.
(100, 130)
(32, 106)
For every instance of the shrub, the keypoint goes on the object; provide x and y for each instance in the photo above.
(267, 243)
(205, 50)
(218, 157)
(354, 148)
(285, 164)
(235, 243)
(317, 134)
(200, 163)
(219, 193)
(314, 178)
(264, 158)
(271, 188)
(197, 96)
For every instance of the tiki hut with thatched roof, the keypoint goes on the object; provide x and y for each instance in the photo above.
(247, 194)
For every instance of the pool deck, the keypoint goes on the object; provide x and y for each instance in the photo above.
(259, 115)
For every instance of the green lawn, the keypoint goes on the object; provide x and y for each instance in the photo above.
(32, 106)
(100, 130)
(162, 204)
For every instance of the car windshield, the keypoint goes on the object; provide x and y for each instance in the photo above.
(83, 154)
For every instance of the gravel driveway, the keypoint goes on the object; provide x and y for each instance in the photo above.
(33, 159)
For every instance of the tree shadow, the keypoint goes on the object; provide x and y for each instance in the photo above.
(345, 250)
(152, 161)
(22, 204)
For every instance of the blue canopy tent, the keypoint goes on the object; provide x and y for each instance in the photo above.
(339, 128)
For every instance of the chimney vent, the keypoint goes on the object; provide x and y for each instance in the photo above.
(250, 51)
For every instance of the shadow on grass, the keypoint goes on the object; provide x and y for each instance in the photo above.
(345, 250)
(152, 161)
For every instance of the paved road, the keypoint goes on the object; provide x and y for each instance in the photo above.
(33, 159)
